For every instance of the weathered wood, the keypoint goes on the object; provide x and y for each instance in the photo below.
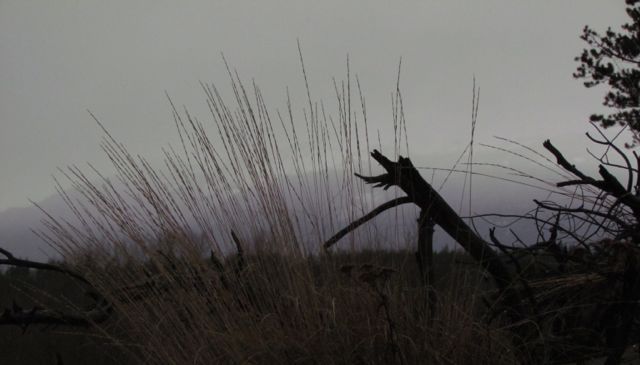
(405, 176)
(425, 248)
(424, 256)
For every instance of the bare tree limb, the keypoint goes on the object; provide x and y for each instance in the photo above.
(357, 223)
(13, 261)
(36, 315)
(561, 209)
(609, 183)
(610, 144)
(404, 175)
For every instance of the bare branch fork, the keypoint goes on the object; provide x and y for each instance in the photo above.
(405, 176)
(609, 183)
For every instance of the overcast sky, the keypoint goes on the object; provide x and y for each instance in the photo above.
(59, 59)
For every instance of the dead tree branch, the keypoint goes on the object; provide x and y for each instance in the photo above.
(24, 317)
(609, 183)
(405, 176)
(357, 223)
(14, 261)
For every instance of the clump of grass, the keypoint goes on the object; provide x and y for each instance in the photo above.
(215, 258)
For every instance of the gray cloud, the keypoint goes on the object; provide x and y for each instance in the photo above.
(116, 58)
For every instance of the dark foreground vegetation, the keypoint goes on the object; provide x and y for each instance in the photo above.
(21, 288)
(374, 306)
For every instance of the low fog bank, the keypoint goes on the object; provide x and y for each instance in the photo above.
(393, 229)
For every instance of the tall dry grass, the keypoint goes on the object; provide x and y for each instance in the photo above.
(158, 243)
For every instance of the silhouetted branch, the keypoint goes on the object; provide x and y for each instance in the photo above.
(609, 183)
(404, 175)
(560, 209)
(36, 315)
(610, 144)
(360, 221)
(519, 271)
(13, 261)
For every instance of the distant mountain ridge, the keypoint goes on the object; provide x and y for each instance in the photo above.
(17, 224)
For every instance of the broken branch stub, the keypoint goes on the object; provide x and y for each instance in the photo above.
(405, 176)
